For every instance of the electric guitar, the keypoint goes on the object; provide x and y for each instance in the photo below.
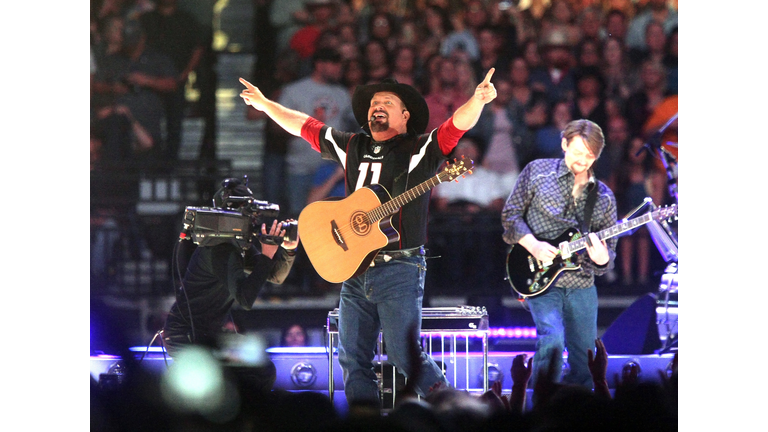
(341, 236)
(530, 277)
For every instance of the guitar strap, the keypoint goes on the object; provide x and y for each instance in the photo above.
(589, 207)
(402, 159)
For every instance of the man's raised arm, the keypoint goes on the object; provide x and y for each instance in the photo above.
(288, 119)
(466, 116)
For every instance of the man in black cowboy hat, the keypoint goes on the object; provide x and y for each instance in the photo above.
(391, 150)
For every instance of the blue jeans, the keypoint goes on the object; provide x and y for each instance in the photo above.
(565, 318)
(386, 298)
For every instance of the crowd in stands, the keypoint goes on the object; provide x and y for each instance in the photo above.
(610, 61)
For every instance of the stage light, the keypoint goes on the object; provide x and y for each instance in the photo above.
(631, 370)
(113, 377)
(494, 373)
(194, 381)
(303, 374)
(298, 350)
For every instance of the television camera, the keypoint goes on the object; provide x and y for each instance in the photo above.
(239, 222)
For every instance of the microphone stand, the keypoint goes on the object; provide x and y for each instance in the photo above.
(667, 158)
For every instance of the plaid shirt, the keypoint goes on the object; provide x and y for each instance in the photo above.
(542, 204)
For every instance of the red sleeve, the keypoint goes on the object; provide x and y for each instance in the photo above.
(310, 131)
(448, 135)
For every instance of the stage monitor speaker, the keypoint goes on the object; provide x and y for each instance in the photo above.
(635, 331)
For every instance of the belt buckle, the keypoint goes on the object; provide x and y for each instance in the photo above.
(386, 258)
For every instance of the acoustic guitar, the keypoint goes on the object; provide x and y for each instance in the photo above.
(341, 236)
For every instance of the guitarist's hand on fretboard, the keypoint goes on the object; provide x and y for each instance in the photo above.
(597, 250)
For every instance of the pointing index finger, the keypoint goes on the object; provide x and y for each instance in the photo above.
(487, 79)
(246, 83)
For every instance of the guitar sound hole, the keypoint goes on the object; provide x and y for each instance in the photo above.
(360, 223)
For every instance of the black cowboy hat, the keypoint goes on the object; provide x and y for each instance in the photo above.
(414, 102)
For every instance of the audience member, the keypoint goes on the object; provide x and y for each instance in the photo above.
(437, 26)
(483, 190)
(555, 78)
(505, 20)
(365, 11)
(179, 35)
(528, 20)
(353, 74)
(560, 18)
(654, 48)
(520, 372)
(465, 34)
(590, 22)
(404, 65)
(505, 142)
(411, 34)
(589, 102)
(294, 336)
(465, 76)
(317, 19)
(670, 61)
(653, 10)
(494, 52)
(129, 84)
(383, 27)
(348, 34)
(652, 91)
(588, 53)
(616, 23)
(548, 136)
(447, 95)
(376, 57)
(619, 76)
(531, 52)
(286, 17)
(616, 141)
(519, 75)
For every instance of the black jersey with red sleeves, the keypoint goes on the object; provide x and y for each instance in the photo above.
(397, 164)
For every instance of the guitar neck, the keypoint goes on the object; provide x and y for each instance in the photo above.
(393, 205)
(613, 231)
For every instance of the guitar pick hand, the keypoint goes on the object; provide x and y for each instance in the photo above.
(540, 250)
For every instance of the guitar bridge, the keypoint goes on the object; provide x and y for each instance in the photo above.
(337, 237)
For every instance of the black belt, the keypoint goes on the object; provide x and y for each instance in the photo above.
(387, 256)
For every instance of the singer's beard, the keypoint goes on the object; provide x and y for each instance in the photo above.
(377, 126)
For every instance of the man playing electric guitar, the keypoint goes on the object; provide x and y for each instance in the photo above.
(550, 197)
(394, 152)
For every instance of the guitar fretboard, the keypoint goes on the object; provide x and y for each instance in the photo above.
(393, 205)
(623, 227)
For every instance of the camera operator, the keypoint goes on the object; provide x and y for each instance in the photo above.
(219, 275)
